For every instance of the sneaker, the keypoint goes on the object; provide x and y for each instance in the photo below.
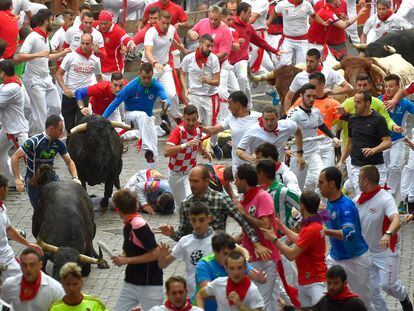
(164, 125)
(218, 152)
(165, 118)
(149, 156)
(406, 304)
(402, 208)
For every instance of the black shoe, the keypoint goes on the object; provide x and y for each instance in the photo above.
(164, 125)
(406, 304)
(149, 156)
(165, 118)
(218, 152)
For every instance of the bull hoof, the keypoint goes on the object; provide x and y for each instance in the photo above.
(104, 203)
(103, 265)
(125, 146)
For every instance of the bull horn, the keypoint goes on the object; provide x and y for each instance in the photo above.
(337, 66)
(360, 46)
(121, 125)
(378, 70)
(264, 77)
(390, 49)
(91, 260)
(79, 128)
(47, 247)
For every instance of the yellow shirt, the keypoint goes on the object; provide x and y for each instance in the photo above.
(88, 303)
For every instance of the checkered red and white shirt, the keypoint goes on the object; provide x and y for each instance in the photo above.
(186, 159)
(410, 88)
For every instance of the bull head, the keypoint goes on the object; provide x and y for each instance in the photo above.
(82, 258)
(361, 47)
(83, 127)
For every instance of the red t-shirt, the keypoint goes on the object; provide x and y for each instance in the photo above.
(101, 96)
(276, 25)
(410, 89)
(311, 262)
(336, 35)
(318, 33)
(9, 32)
(177, 12)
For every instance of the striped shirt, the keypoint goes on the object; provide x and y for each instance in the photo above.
(40, 149)
(284, 201)
(220, 207)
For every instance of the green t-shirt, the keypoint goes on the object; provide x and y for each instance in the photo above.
(88, 303)
(284, 201)
(376, 104)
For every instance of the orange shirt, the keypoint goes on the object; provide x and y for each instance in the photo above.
(326, 106)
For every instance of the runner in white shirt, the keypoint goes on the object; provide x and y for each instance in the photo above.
(202, 70)
(313, 64)
(83, 7)
(58, 38)
(157, 43)
(385, 21)
(380, 223)
(35, 51)
(240, 120)
(79, 66)
(352, 30)
(177, 294)
(271, 130)
(23, 299)
(15, 127)
(192, 247)
(22, 6)
(406, 11)
(309, 119)
(73, 36)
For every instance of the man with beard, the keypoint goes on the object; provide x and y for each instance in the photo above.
(202, 70)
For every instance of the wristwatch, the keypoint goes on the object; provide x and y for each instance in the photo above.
(275, 240)
(388, 232)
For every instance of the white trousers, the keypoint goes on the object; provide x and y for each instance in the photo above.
(228, 81)
(355, 176)
(358, 271)
(273, 40)
(407, 179)
(44, 99)
(384, 275)
(395, 160)
(240, 69)
(204, 106)
(309, 295)
(166, 79)
(267, 289)
(267, 64)
(352, 30)
(327, 152)
(131, 296)
(146, 127)
(309, 176)
(296, 51)
(5, 161)
(180, 187)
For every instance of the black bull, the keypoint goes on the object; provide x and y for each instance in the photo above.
(96, 150)
(64, 220)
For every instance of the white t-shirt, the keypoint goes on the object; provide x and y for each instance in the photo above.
(161, 44)
(79, 70)
(35, 43)
(217, 288)
(12, 109)
(372, 214)
(58, 39)
(6, 252)
(374, 28)
(73, 37)
(190, 250)
(260, 7)
(194, 73)
(309, 123)
(256, 136)
(238, 127)
(50, 290)
(406, 11)
(295, 18)
(164, 308)
(332, 78)
(20, 5)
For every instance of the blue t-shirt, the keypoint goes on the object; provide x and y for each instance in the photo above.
(208, 269)
(40, 149)
(345, 217)
(138, 98)
(399, 115)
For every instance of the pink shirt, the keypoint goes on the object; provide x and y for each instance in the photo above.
(261, 206)
(221, 35)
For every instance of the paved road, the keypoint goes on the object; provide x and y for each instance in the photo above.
(106, 284)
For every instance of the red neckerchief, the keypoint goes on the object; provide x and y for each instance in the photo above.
(201, 59)
(28, 291)
(240, 288)
(132, 216)
(41, 32)
(249, 195)
(2, 205)
(343, 295)
(318, 69)
(186, 307)
(84, 31)
(64, 27)
(274, 131)
(294, 2)
(365, 196)
(80, 52)
(12, 79)
(278, 165)
(387, 16)
(160, 33)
